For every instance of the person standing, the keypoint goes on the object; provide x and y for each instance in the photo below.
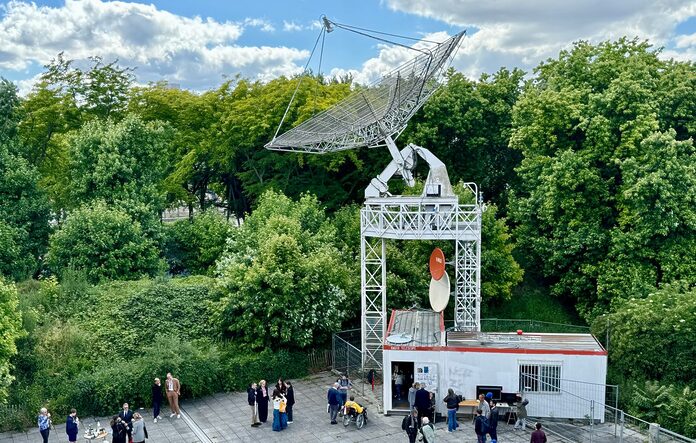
(126, 415)
(251, 399)
(156, 399)
(344, 386)
(452, 400)
(412, 396)
(411, 424)
(521, 422)
(493, 422)
(71, 426)
(398, 383)
(422, 402)
(333, 398)
(280, 386)
(262, 399)
(480, 426)
(427, 430)
(538, 436)
(290, 395)
(173, 391)
(278, 399)
(118, 430)
(139, 429)
(44, 420)
(484, 406)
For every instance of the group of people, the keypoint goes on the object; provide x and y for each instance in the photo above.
(486, 421)
(127, 426)
(337, 396)
(422, 400)
(282, 398)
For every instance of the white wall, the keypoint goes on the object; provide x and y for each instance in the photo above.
(463, 371)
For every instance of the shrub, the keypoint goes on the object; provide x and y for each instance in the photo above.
(193, 246)
(10, 331)
(242, 369)
(105, 243)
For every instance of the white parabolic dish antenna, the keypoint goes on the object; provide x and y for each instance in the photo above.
(371, 114)
(439, 293)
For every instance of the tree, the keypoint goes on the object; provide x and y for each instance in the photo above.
(467, 124)
(282, 277)
(9, 116)
(105, 243)
(604, 208)
(10, 331)
(123, 165)
(195, 245)
(24, 208)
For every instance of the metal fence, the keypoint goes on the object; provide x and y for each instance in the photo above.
(512, 324)
(578, 412)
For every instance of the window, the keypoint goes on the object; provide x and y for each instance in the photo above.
(540, 376)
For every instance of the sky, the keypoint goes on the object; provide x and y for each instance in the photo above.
(199, 44)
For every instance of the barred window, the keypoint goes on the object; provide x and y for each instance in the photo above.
(540, 377)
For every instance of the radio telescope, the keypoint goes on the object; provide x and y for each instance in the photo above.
(374, 116)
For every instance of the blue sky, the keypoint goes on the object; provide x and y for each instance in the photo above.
(198, 43)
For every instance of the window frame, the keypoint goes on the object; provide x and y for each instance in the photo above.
(546, 376)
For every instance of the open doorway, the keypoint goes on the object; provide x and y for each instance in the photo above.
(402, 371)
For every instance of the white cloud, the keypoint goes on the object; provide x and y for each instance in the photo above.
(522, 33)
(291, 26)
(195, 52)
(262, 24)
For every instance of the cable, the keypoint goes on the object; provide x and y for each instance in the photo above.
(282, 120)
(350, 27)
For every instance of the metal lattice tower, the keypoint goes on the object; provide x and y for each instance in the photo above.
(374, 116)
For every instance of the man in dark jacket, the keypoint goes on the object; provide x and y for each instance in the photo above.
(156, 399)
(422, 402)
(290, 396)
(251, 399)
(333, 398)
(411, 424)
(127, 417)
(493, 422)
(480, 426)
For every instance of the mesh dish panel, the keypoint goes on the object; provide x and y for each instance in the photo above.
(369, 115)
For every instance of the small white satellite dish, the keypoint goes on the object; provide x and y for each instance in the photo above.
(399, 339)
(439, 293)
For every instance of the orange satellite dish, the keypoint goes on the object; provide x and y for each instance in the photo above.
(437, 264)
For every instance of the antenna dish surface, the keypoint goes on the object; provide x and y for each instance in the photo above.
(439, 293)
(371, 114)
(437, 263)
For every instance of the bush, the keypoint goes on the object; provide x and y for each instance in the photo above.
(10, 331)
(193, 246)
(653, 338)
(242, 369)
(101, 391)
(105, 243)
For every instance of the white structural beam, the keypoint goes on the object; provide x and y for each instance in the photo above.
(417, 218)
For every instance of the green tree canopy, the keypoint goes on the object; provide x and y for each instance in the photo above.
(104, 243)
(467, 124)
(282, 276)
(10, 331)
(605, 206)
(194, 246)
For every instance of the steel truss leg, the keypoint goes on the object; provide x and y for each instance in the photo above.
(373, 298)
(468, 288)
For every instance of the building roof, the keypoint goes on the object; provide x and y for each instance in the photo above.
(425, 330)
(416, 328)
(528, 341)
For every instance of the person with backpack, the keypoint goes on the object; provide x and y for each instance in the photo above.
(493, 422)
(411, 424)
(480, 426)
(427, 431)
(521, 422)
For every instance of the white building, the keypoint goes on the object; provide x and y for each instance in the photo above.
(539, 364)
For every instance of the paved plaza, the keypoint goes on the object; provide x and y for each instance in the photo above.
(225, 417)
